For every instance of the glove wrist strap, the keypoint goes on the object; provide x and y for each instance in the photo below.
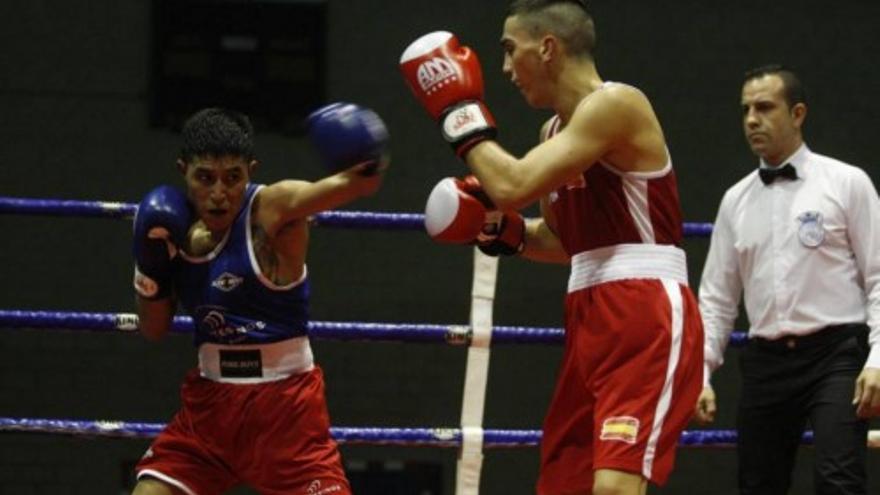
(150, 288)
(467, 124)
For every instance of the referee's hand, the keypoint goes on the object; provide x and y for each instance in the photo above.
(704, 412)
(867, 394)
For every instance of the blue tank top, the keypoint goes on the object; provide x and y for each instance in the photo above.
(229, 299)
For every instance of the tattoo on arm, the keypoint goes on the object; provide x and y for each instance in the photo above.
(265, 254)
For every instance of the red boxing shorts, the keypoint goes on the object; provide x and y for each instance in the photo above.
(273, 436)
(629, 380)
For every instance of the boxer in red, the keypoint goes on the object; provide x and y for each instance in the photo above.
(633, 359)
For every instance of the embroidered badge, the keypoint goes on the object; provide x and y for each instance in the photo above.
(227, 282)
(811, 232)
(620, 428)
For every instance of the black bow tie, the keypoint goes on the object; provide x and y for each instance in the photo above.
(768, 175)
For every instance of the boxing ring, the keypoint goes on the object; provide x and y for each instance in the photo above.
(470, 436)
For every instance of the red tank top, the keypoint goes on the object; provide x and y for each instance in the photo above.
(605, 206)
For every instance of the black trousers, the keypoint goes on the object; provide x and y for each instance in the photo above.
(788, 384)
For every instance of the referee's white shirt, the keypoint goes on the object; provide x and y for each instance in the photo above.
(806, 254)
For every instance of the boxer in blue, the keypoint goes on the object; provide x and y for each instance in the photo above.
(233, 254)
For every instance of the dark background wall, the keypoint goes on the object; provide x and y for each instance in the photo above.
(73, 125)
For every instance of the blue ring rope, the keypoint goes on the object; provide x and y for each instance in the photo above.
(338, 219)
(350, 330)
(435, 437)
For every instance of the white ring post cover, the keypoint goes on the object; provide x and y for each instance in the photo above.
(470, 460)
(874, 439)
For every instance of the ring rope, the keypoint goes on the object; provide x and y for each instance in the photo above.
(471, 437)
(328, 330)
(436, 437)
(337, 219)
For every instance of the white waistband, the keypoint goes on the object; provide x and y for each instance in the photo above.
(627, 261)
(255, 363)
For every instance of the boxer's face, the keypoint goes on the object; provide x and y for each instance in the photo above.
(216, 187)
(772, 128)
(523, 62)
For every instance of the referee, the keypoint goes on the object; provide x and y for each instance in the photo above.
(800, 237)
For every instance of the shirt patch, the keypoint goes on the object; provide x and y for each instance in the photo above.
(212, 322)
(620, 428)
(227, 282)
(811, 233)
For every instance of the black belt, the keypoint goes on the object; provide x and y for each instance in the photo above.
(828, 335)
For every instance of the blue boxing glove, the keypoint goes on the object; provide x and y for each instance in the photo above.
(160, 225)
(346, 135)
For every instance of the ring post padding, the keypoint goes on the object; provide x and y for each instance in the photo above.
(874, 439)
(470, 461)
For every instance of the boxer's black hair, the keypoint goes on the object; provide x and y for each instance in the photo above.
(568, 20)
(217, 132)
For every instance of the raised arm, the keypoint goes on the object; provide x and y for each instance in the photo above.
(290, 200)
(447, 80)
(160, 226)
(601, 122)
(353, 144)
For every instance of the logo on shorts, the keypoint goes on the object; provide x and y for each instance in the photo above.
(811, 232)
(620, 428)
(436, 71)
(227, 282)
(315, 488)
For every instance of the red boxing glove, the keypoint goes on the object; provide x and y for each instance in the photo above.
(503, 234)
(446, 78)
(452, 213)
(459, 211)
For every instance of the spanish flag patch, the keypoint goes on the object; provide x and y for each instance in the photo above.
(620, 428)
